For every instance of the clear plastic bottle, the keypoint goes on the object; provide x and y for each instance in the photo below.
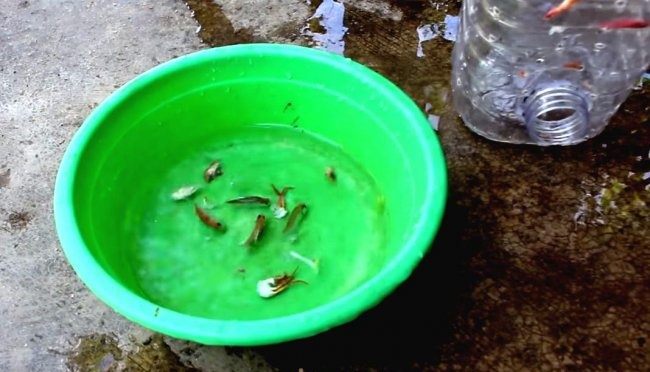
(526, 71)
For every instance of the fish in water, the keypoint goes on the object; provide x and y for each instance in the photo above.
(330, 174)
(257, 230)
(625, 23)
(280, 209)
(212, 171)
(185, 192)
(563, 7)
(272, 286)
(297, 211)
(250, 200)
(207, 220)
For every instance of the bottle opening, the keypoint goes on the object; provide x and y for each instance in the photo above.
(557, 115)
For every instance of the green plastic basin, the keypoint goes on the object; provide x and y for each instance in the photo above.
(272, 115)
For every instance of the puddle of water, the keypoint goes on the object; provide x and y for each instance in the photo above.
(391, 47)
(612, 204)
(645, 78)
(448, 29)
(451, 27)
(102, 353)
(383, 37)
(618, 199)
(215, 28)
(325, 27)
(95, 353)
(425, 33)
(433, 119)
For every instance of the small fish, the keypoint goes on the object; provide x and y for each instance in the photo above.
(213, 171)
(563, 7)
(314, 264)
(185, 192)
(270, 287)
(329, 172)
(250, 200)
(206, 219)
(282, 202)
(576, 65)
(625, 23)
(280, 209)
(293, 217)
(257, 230)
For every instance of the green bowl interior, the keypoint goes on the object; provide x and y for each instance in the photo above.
(271, 114)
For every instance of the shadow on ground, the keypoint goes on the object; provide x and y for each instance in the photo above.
(409, 327)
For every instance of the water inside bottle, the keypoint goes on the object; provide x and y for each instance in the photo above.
(507, 50)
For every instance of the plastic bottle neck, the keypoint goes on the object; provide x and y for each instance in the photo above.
(557, 115)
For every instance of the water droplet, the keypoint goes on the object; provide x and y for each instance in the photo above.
(600, 45)
(491, 38)
(620, 4)
(434, 120)
(540, 60)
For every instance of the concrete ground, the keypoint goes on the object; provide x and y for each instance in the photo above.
(58, 60)
(541, 263)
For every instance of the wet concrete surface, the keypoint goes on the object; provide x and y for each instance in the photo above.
(540, 264)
